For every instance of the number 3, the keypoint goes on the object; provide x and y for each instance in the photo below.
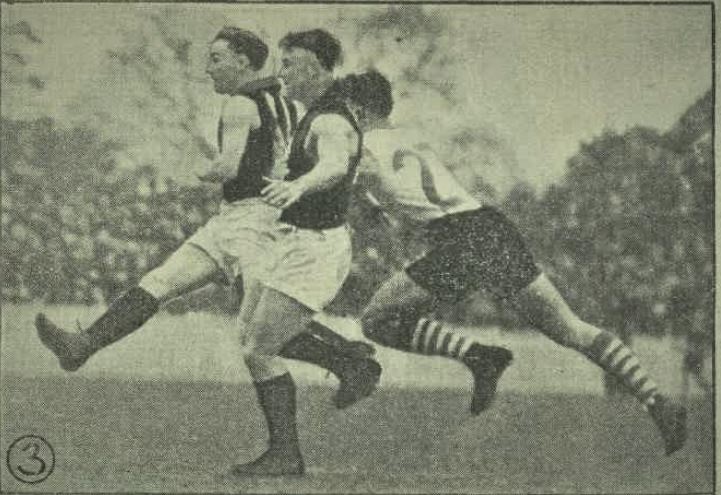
(34, 456)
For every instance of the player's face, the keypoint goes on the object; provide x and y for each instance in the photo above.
(226, 68)
(298, 68)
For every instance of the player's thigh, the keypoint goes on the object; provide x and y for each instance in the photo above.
(311, 265)
(252, 290)
(543, 307)
(187, 269)
(277, 318)
(399, 296)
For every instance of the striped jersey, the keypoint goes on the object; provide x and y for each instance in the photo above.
(328, 208)
(261, 157)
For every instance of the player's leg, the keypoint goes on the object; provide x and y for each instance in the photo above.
(186, 269)
(276, 319)
(395, 317)
(319, 332)
(542, 306)
(312, 270)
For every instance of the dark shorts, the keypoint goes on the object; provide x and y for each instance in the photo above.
(472, 250)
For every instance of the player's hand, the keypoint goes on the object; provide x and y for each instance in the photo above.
(281, 193)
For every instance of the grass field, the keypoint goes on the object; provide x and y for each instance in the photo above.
(171, 437)
(167, 411)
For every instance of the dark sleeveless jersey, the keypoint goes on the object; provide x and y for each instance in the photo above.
(328, 208)
(258, 158)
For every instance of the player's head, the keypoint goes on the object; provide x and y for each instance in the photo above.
(235, 56)
(308, 57)
(368, 95)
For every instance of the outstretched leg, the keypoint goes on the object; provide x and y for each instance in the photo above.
(395, 318)
(542, 306)
(187, 269)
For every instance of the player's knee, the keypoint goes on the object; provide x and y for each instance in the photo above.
(264, 367)
(157, 284)
(260, 340)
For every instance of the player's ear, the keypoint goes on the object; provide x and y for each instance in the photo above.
(243, 60)
(360, 114)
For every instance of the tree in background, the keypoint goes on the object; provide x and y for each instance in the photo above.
(158, 84)
(19, 78)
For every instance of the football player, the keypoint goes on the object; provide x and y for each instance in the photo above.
(313, 252)
(308, 62)
(474, 246)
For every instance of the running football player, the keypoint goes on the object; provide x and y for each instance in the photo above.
(474, 246)
(313, 253)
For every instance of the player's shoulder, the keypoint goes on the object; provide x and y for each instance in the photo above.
(240, 108)
(386, 143)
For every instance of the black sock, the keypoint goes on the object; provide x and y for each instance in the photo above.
(308, 348)
(277, 400)
(125, 315)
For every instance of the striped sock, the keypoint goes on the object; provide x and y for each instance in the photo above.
(611, 354)
(431, 338)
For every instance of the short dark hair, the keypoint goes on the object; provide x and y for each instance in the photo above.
(245, 42)
(371, 90)
(324, 45)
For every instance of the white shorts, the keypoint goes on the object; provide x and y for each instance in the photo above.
(240, 238)
(310, 265)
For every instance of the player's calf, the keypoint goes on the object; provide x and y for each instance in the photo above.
(125, 315)
(277, 399)
(357, 373)
(403, 330)
(617, 359)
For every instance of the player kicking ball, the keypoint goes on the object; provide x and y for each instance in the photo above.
(473, 246)
(253, 133)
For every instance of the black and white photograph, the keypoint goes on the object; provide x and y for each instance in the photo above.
(357, 247)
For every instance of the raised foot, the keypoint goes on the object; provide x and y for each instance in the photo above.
(359, 379)
(670, 418)
(487, 364)
(273, 462)
(69, 348)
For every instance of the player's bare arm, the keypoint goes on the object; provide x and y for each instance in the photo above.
(239, 117)
(337, 142)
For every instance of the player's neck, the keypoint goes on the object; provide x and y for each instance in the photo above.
(314, 90)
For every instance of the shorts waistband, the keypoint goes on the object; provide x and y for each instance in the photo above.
(332, 230)
(453, 218)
